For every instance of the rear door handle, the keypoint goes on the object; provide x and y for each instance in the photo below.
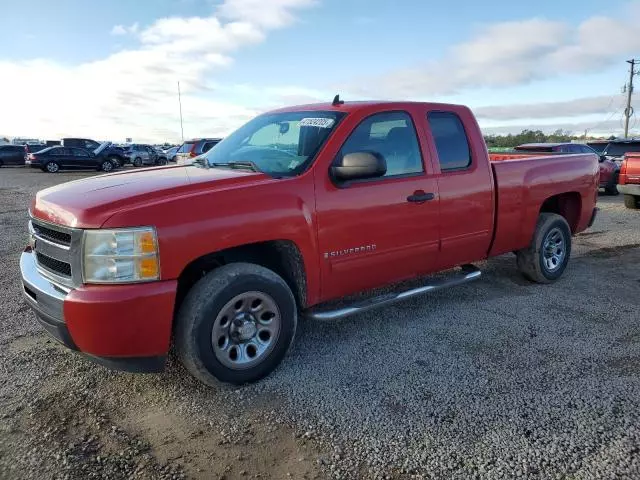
(420, 197)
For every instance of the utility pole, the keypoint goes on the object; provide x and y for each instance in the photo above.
(628, 112)
(180, 103)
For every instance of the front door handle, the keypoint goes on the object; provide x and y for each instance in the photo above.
(420, 197)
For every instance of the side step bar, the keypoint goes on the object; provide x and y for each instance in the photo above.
(468, 274)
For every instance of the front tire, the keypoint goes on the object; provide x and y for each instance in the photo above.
(116, 161)
(235, 324)
(546, 258)
(137, 162)
(632, 201)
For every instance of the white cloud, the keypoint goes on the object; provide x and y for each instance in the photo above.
(133, 93)
(578, 107)
(122, 30)
(515, 53)
(118, 30)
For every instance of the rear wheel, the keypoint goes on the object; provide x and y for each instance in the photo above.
(632, 201)
(106, 166)
(1, 163)
(137, 162)
(546, 258)
(236, 324)
(612, 186)
(52, 167)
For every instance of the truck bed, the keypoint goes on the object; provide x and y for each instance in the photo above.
(524, 182)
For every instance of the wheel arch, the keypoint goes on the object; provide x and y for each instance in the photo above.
(567, 205)
(281, 256)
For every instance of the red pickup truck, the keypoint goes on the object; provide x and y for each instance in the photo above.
(629, 182)
(298, 207)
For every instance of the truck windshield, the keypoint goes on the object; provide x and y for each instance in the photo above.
(278, 144)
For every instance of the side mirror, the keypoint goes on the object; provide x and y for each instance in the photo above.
(358, 166)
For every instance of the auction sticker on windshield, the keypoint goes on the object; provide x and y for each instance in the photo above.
(317, 122)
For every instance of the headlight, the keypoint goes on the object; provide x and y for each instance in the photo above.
(120, 256)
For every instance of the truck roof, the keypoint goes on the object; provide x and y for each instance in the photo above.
(360, 105)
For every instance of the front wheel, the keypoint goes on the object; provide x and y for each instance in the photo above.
(546, 258)
(162, 162)
(236, 324)
(632, 201)
(116, 162)
(137, 162)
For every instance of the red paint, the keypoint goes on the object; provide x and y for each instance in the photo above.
(487, 209)
(630, 169)
(121, 320)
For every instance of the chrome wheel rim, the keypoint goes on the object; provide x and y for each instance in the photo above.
(52, 167)
(246, 330)
(553, 250)
(107, 166)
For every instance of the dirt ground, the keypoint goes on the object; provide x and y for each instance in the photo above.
(494, 380)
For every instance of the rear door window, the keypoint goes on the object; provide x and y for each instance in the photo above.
(451, 141)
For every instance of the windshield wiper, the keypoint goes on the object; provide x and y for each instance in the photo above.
(246, 164)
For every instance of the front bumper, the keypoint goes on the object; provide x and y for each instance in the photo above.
(125, 327)
(629, 189)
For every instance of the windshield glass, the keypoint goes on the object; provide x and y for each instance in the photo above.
(279, 144)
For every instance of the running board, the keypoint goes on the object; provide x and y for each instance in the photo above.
(468, 274)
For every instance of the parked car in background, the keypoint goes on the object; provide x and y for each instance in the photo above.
(609, 169)
(629, 183)
(171, 153)
(193, 148)
(617, 149)
(54, 159)
(115, 154)
(141, 154)
(12, 155)
(34, 147)
(348, 197)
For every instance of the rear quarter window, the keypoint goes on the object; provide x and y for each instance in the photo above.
(450, 139)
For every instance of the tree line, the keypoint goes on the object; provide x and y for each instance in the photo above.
(531, 136)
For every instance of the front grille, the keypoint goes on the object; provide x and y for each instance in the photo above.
(55, 236)
(53, 265)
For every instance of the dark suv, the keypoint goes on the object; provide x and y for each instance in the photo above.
(193, 148)
(617, 149)
(12, 155)
(115, 154)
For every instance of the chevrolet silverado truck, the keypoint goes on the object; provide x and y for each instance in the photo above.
(298, 207)
(629, 182)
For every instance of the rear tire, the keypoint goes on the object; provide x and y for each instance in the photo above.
(612, 186)
(52, 167)
(235, 324)
(106, 166)
(632, 201)
(546, 258)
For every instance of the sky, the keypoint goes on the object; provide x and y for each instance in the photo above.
(109, 69)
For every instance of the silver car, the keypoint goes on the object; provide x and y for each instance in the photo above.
(140, 155)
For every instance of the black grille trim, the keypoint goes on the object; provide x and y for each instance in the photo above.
(52, 235)
(53, 265)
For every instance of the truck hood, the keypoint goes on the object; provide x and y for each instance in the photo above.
(88, 203)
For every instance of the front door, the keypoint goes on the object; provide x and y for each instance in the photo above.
(380, 230)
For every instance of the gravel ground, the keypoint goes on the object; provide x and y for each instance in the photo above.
(496, 379)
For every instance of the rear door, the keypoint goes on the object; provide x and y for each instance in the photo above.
(465, 185)
(370, 232)
(80, 158)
